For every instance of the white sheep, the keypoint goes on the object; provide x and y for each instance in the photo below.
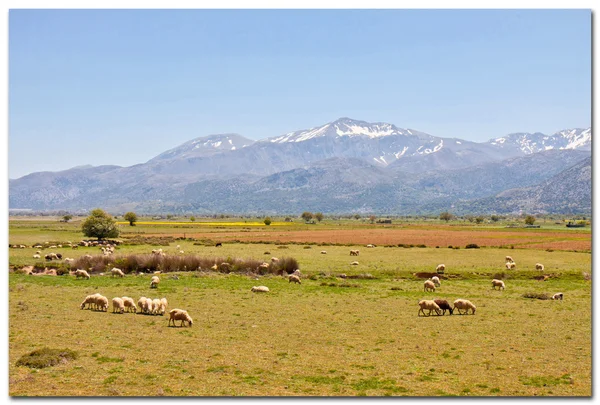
(163, 306)
(102, 303)
(36, 256)
(539, 266)
(261, 288)
(148, 306)
(436, 281)
(89, 300)
(498, 283)
(69, 260)
(370, 246)
(323, 252)
(129, 304)
(118, 305)
(142, 304)
(180, 315)
(154, 282)
(155, 306)
(558, 296)
(274, 260)
(440, 268)
(465, 305)
(354, 252)
(430, 305)
(508, 259)
(117, 272)
(82, 273)
(295, 279)
(428, 286)
(511, 265)
(354, 264)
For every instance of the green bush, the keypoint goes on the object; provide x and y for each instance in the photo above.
(45, 357)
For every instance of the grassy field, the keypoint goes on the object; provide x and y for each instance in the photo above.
(327, 336)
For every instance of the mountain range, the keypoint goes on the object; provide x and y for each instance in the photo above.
(343, 166)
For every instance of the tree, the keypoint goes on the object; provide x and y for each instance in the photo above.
(67, 218)
(319, 216)
(100, 225)
(446, 216)
(529, 219)
(267, 221)
(131, 217)
(356, 216)
(469, 218)
(192, 219)
(479, 219)
(372, 218)
(306, 216)
(495, 218)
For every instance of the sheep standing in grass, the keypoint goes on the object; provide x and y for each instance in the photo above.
(430, 305)
(142, 304)
(148, 306)
(294, 279)
(82, 273)
(370, 246)
(36, 256)
(354, 264)
(155, 306)
(511, 266)
(464, 305)
(180, 315)
(102, 303)
(440, 268)
(354, 252)
(444, 306)
(90, 300)
(436, 281)
(154, 282)
(499, 284)
(428, 286)
(129, 304)
(117, 272)
(69, 261)
(263, 267)
(118, 305)
(163, 306)
(508, 259)
(539, 266)
(323, 252)
(274, 260)
(557, 296)
(261, 288)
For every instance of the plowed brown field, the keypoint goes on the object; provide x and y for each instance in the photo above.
(429, 236)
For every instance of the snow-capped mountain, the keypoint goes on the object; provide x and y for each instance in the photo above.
(205, 146)
(577, 138)
(344, 127)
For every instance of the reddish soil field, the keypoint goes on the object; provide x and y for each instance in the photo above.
(430, 237)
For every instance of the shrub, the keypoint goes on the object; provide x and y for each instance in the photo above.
(45, 357)
(472, 246)
(539, 296)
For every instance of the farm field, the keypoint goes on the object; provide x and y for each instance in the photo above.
(329, 336)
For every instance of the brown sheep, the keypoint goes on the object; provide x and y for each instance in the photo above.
(180, 315)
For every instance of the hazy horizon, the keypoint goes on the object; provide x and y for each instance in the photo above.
(118, 87)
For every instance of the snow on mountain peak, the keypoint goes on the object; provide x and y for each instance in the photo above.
(528, 143)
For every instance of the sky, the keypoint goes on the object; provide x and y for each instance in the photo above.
(122, 86)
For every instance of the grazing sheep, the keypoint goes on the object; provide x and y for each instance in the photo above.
(511, 266)
(177, 247)
(295, 279)
(354, 252)
(117, 272)
(428, 286)
(557, 296)
(440, 268)
(261, 288)
(180, 315)
(274, 260)
(154, 282)
(129, 304)
(323, 252)
(59, 256)
(36, 256)
(465, 305)
(89, 300)
(436, 281)
(142, 304)
(102, 303)
(69, 260)
(148, 306)
(214, 267)
(430, 305)
(181, 252)
(118, 305)
(539, 266)
(370, 246)
(263, 266)
(499, 284)
(51, 256)
(444, 306)
(354, 263)
(74, 247)
(52, 247)
(163, 306)
(508, 259)
(82, 273)
(225, 266)
(155, 306)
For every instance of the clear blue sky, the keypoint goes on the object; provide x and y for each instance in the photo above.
(121, 86)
